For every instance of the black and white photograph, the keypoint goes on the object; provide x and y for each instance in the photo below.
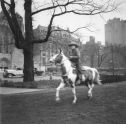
(62, 61)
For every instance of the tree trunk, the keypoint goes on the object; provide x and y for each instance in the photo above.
(28, 64)
(28, 50)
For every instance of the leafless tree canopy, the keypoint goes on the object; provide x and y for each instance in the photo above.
(80, 7)
(57, 8)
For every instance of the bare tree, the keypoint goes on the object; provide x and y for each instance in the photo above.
(101, 58)
(57, 8)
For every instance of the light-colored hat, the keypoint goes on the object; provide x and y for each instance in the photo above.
(73, 44)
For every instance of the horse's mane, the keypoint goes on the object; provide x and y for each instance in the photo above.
(67, 58)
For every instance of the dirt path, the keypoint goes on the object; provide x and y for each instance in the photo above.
(108, 106)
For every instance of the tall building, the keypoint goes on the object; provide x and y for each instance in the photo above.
(115, 32)
(90, 51)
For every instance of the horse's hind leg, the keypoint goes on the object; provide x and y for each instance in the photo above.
(58, 89)
(74, 94)
(90, 86)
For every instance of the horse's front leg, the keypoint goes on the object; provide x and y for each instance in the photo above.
(58, 89)
(90, 86)
(74, 94)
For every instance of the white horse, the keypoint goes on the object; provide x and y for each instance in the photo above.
(90, 76)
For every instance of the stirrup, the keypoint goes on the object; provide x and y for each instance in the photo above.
(80, 77)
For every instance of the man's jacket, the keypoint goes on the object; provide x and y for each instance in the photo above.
(74, 55)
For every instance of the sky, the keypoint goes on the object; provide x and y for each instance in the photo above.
(72, 21)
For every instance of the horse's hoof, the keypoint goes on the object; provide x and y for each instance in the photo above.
(89, 97)
(57, 99)
(74, 102)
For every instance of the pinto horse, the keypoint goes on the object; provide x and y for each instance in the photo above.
(90, 76)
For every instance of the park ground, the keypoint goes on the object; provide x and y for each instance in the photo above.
(108, 106)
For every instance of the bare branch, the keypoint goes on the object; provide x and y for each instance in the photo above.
(44, 9)
(80, 7)
(13, 23)
(18, 32)
(87, 27)
(48, 32)
(7, 3)
(102, 58)
(55, 6)
(7, 15)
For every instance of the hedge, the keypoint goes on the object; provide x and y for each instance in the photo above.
(54, 83)
(34, 84)
(112, 78)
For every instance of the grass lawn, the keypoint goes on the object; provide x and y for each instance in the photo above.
(108, 106)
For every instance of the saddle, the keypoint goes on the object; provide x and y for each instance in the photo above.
(83, 68)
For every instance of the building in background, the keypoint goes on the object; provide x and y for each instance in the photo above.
(90, 52)
(58, 39)
(9, 55)
(115, 32)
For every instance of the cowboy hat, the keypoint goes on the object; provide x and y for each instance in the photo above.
(73, 44)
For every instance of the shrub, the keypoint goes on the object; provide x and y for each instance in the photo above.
(29, 84)
(55, 83)
(6, 83)
(48, 83)
(112, 78)
(34, 84)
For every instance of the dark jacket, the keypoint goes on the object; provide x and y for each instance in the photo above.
(74, 55)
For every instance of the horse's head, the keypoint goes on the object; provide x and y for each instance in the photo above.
(57, 58)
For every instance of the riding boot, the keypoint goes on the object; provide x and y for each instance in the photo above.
(80, 77)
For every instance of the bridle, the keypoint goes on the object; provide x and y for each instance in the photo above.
(62, 63)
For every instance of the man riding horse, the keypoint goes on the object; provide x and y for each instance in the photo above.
(74, 56)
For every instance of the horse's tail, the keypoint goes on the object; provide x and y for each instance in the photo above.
(97, 77)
